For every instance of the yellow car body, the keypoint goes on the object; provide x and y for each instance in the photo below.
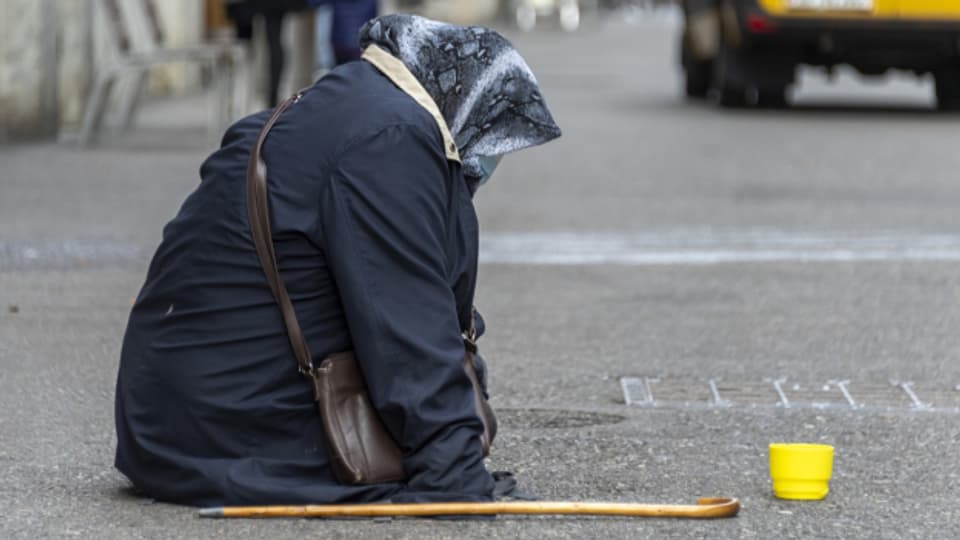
(919, 10)
(747, 51)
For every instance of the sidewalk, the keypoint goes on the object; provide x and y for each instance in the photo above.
(77, 229)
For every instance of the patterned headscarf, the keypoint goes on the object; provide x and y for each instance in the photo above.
(483, 88)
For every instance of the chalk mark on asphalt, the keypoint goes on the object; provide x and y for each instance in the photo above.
(837, 395)
(907, 388)
(842, 385)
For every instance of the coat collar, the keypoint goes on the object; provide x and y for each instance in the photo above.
(397, 72)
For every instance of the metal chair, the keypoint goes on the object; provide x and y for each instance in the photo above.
(526, 13)
(137, 39)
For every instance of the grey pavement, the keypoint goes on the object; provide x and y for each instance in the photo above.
(850, 166)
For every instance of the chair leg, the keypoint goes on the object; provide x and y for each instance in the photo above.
(226, 97)
(96, 107)
(131, 100)
(241, 82)
(230, 68)
(226, 92)
(215, 114)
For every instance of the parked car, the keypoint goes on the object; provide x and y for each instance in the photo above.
(746, 51)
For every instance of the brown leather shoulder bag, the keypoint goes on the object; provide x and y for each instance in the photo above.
(361, 450)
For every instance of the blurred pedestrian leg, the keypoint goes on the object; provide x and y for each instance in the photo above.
(273, 24)
(272, 13)
(325, 58)
(348, 17)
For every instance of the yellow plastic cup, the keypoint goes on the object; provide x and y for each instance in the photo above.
(801, 471)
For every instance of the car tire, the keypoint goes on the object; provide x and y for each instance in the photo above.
(772, 98)
(731, 97)
(948, 89)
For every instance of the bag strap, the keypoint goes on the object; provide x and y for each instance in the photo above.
(258, 212)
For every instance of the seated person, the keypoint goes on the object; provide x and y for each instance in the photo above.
(371, 178)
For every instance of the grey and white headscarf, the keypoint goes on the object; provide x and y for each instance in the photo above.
(484, 89)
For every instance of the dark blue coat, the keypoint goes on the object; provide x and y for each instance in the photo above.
(376, 238)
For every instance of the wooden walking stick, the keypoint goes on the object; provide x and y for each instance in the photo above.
(708, 507)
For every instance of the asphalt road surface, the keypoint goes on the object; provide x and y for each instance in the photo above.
(748, 277)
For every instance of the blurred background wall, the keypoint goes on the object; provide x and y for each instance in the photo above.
(29, 68)
(460, 11)
(49, 50)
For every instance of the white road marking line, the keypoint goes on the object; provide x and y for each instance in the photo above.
(907, 388)
(625, 383)
(715, 399)
(648, 383)
(636, 391)
(778, 386)
(842, 385)
(696, 247)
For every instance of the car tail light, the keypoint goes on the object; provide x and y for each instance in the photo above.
(758, 24)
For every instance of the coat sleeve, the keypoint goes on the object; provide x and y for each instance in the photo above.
(385, 222)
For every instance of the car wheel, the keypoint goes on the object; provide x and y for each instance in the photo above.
(772, 98)
(948, 89)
